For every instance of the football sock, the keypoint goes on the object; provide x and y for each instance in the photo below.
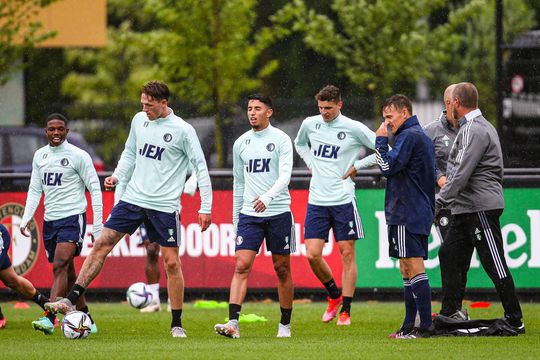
(176, 320)
(75, 293)
(154, 289)
(410, 304)
(422, 292)
(50, 315)
(1, 314)
(234, 311)
(85, 310)
(347, 300)
(39, 299)
(333, 291)
(285, 316)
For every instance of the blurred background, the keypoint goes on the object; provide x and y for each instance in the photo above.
(88, 59)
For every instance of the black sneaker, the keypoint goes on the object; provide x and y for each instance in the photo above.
(417, 333)
(520, 329)
(405, 329)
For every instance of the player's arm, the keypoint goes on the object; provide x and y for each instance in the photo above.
(301, 144)
(91, 181)
(472, 151)
(366, 137)
(238, 184)
(126, 164)
(285, 171)
(393, 161)
(195, 154)
(191, 183)
(35, 189)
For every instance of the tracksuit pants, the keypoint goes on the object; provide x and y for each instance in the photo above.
(480, 230)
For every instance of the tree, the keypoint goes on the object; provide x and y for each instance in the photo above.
(18, 32)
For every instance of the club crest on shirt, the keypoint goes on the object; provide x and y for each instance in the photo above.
(167, 137)
(341, 135)
(64, 162)
(270, 147)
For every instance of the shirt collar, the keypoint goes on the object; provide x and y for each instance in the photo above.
(60, 147)
(471, 115)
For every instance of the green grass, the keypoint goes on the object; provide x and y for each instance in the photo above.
(125, 333)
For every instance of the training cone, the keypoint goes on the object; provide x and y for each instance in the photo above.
(21, 305)
(480, 305)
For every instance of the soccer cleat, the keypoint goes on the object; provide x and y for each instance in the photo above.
(284, 331)
(154, 306)
(332, 309)
(62, 306)
(230, 329)
(44, 324)
(93, 328)
(3, 323)
(519, 329)
(416, 333)
(401, 331)
(344, 319)
(178, 332)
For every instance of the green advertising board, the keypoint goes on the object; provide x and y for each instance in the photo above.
(520, 224)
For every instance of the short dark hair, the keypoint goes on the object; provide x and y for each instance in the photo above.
(329, 93)
(265, 99)
(158, 90)
(467, 94)
(399, 102)
(56, 116)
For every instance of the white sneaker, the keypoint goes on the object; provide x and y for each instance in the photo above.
(284, 331)
(154, 306)
(230, 329)
(178, 332)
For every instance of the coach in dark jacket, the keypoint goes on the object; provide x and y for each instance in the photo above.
(409, 206)
(473, 191)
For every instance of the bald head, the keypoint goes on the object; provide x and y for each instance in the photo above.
(448, 93)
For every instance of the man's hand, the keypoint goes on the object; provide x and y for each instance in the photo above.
(441, 181)
(24, 231)
(204, 221)
(110, 183)
(258, 205)
(382, 130)
(351, 173)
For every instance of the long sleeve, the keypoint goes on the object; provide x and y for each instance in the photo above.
(367, 138)
(458, 176)
(301, 144)
(127, 159)
(91, 181)
(238, 184)
(34, 194)
(195, 154)
(285, 170)
(393, 161)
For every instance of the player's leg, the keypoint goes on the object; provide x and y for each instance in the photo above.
(3, 320)
(488, 241)
(90, 269)
(347, 229)
(175, 288)
(454, 257)
(151, 269)
(249, 237)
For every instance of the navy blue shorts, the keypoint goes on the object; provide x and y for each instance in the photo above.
(162, 228)
(404, 244)
(344, 219)
(278, 231)
(5, 242)
(70, 229)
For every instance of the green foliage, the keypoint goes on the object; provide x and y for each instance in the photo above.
(467, 45)
(18, 32)
(124, 333)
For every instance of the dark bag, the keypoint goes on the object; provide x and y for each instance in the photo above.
(446, 326)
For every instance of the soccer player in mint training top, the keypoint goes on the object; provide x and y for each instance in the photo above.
(62, 172)
(262, 166)
(330, 143)
(158, 151)
(409, 206)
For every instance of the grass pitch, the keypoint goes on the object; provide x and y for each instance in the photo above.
(124, 333)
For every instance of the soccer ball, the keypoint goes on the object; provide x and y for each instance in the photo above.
(138, 296)
(76, 325)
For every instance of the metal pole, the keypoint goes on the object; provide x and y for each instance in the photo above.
(499, 76)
